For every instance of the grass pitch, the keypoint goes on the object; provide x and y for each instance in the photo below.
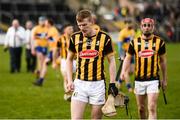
(20, 99)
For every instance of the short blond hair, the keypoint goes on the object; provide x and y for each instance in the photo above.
(83, 14)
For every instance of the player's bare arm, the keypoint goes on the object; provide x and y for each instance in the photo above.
(69, 64)
(112, 68)
(126, 65)
(163, 64)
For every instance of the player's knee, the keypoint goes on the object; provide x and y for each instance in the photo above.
(141, 109)
(96, 115)
(47, 62)
(152, 108)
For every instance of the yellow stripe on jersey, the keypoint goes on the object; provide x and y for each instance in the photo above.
(156, 57)
(64, 45)
(90, 75)
(100, 62)
(83, 61)
(149, 59)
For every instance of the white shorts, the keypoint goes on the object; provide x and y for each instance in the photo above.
(63, 66)
(92, 92)
(145, 87)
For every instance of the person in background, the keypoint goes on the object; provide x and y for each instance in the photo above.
(150, 54)
(40, 46)
(14, 40)
(63, 45)
(52, 37)
(125, 36)
(30, 58)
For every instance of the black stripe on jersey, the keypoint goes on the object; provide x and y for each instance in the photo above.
(95, 59)
(87, 61)
(145, 61)
(102, 60)
(153, 58)
(79, 49)
(139, 59)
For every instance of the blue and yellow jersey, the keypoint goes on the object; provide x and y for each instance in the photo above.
(125, 36)
(40, 34)
(52, 36)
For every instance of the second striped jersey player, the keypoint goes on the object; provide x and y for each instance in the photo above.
(146, 57)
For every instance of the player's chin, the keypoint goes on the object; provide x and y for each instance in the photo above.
(84, 33)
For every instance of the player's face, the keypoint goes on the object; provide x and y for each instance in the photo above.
(147, 28)
(85, 26)
(69, 30)
(42, 23)
(47, 23)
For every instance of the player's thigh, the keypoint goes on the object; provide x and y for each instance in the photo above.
(80, 92)
(139, 88)
(97, 93)
(152, 100)
(153, 86)
(141, 101)
(77, 109)
(63, 67)
(74, 66)
(132, 68)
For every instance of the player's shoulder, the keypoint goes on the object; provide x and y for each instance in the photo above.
(158, 38)
(37, 27)
(76, 33)
(104, 33)
(62, 36)
(124, 30)
(54, 28)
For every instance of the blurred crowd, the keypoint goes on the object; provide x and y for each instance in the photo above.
(166, 15)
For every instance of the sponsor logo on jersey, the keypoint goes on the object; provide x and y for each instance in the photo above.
(87, 54)
(146, 53)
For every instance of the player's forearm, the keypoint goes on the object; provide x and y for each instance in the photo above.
(69, 64)
(54, 56)
(126, 63)
(112, 69)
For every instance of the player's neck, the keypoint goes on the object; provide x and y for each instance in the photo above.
(147, 37)
(67, 35)
(91, 33)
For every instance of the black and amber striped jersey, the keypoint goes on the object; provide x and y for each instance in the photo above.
(63, 44)
(147, 54)
(90, 54)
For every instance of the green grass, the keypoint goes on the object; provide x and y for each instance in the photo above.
(20, 99)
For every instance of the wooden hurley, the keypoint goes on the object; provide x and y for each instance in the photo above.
(109, 109)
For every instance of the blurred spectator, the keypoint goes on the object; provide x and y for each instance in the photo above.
(14, 40)
(30, 58)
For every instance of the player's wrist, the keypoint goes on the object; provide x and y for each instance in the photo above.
(113, 89)
(120, 81)
(128, 85)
